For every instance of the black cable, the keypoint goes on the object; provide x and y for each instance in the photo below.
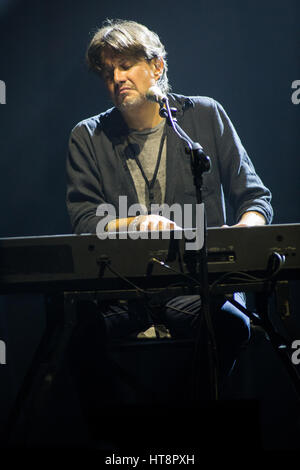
(165, 265)
(250, 277)
(107, 265)
(181, 135)
(143, 291)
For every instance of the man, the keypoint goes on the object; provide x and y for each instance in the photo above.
(130, 151)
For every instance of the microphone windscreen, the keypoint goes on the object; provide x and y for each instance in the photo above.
(155, 94)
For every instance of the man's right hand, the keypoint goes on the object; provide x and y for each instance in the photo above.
(142, 223)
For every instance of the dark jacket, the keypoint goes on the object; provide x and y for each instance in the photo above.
(97, 172)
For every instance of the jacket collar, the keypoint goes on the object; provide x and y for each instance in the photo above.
(116, 129)
(180, 102)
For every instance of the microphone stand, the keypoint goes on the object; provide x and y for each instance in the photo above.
(200, 163)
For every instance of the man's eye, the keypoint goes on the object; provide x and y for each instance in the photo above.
(126, 65)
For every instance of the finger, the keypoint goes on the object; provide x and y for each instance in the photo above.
(153, 225)
(161, 225)
(143, 226)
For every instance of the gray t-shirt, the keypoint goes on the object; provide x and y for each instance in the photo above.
(145, 146)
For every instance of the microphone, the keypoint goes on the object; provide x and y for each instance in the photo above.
(155, 94)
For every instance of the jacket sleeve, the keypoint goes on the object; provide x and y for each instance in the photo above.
(84, 192)
(243, 188)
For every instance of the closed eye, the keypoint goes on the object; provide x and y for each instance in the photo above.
(126, 65)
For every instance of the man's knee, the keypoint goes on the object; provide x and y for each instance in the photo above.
(180, 314)
(235, 323)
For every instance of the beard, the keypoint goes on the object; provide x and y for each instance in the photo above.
(130, 102)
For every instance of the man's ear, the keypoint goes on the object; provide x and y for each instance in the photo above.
(158, 63)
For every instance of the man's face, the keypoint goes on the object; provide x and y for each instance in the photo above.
(128, 79)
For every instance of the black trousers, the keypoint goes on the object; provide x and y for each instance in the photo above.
(98, 325)
(231, 326)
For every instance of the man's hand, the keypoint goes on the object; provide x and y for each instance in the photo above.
(141, 223)
(249, 219)
(144, 223)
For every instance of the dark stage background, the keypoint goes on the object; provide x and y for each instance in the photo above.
(245, 54)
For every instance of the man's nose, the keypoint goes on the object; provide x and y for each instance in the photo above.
(119, 75)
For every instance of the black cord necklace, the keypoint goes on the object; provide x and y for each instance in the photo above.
(150, 184)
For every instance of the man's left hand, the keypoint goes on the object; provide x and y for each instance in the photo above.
(249, 219)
